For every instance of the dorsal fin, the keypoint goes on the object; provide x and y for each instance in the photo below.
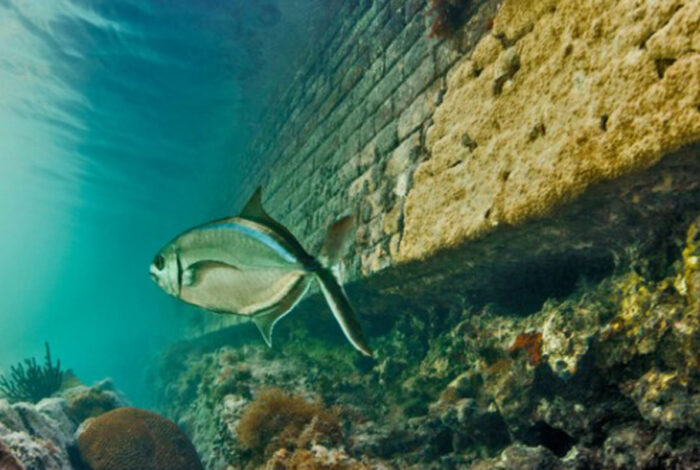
(254, 208)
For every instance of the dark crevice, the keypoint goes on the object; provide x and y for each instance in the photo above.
(604, 122)
(662, 65)
(75, 459)
(468, 142)
(539, 130)
(522, 289)
(556, 440)
(443, 443)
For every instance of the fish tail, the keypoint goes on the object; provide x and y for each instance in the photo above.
(342, 310)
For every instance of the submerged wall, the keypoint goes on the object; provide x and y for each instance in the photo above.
(458, 155)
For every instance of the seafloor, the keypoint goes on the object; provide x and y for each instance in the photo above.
(606, 376)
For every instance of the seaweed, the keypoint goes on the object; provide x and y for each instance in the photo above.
(27, 381)
(450, 16)
(278, 420)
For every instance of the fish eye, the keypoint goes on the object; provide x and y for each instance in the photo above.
(159, 262)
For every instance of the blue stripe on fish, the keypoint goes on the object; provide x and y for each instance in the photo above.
(268, 241)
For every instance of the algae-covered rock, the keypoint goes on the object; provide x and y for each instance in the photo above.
(87, 402)
(35, 452)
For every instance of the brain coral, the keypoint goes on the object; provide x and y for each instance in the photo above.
(134, 439)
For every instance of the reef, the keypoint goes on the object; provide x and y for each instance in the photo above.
(28, 381)
(604, 376)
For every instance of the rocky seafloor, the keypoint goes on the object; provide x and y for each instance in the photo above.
(42, 436)
(605, 376)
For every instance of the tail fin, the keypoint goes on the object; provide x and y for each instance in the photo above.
(342, 310)
(333, 246)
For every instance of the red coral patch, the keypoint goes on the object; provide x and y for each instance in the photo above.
(531, 344)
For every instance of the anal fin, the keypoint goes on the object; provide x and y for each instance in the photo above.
(266, 320)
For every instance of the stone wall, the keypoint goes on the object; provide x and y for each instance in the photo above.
(458, 155)
(348, 133)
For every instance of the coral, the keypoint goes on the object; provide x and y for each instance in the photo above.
(277, 420)
(449, 16)
(531, 344)
(30, 382)
(133, 438)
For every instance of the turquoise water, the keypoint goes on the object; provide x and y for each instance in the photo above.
(121, 124)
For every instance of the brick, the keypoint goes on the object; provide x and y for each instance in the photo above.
(418, 112)
(387, 139)
(384, 89)
(403, 42)
(383, 115)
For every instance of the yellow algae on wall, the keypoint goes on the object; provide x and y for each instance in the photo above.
(560, 95)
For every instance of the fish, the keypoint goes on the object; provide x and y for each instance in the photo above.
(251, 265)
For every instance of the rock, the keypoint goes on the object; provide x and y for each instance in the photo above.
(42, 436)
(57, 410)
(519, 457)
(9, 417)
(87, 402)
(665, 399)
(8, 460)
(36, 453)
(638, 446)
(133, 438)
(42, 426)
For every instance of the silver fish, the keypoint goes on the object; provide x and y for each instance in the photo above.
(252, 265)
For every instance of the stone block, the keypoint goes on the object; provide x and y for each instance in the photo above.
(418, 112)
(404, 156)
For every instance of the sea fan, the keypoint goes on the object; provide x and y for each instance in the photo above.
(27, 381)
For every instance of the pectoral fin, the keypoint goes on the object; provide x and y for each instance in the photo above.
(266, 320)
(194, 273)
